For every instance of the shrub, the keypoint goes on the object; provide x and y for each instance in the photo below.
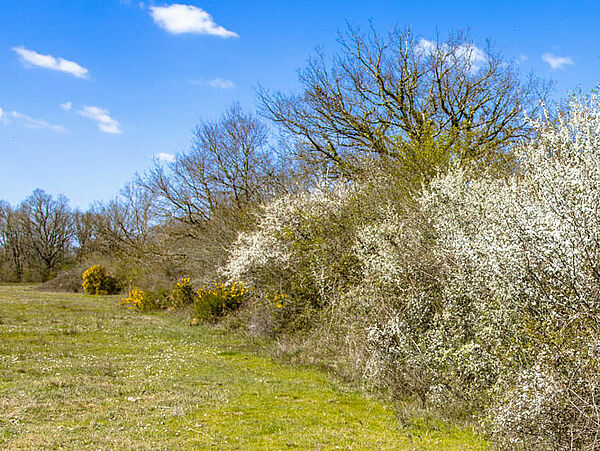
(68, 280)
(303, 247)
(552, 405)
(289, 314)
(532, 239)
(162, 297)
(183, 293)
(96, 281)
(218, 299)
(140, 300)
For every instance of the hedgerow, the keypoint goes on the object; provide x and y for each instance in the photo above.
(481, 295)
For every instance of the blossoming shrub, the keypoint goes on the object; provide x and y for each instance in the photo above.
(140, 300)
(302, 247)
(183, 293)
(524, 253)
(482, 295)
(552, 404)
(218, 299)
(410, 324)
(96, 281)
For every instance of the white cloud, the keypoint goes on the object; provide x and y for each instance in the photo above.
(105, 123)
(521, 59)
(178, 19)
(165, 157)
(557, 62)
(470, 52)
(26, 121)
(140, 5)
(66, 106)
(31, 58)
(217, 83)
(220, 83)
(425, 46)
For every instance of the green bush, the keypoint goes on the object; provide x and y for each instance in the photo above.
(96, 281)
(219, 299)
(162, 297)
(183, 293)
(140, 300)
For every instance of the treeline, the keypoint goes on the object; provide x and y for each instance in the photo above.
(36, 236)
(398, 107)
(177, 219)
(413, 216)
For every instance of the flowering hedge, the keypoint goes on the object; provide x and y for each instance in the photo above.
(482, 294)
(525, 253)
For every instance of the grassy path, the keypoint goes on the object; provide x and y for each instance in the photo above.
(81, 372)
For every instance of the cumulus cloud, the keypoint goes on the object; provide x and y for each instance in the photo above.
(102, 118)
(468, 51)
(165, 157)
(27, 121)
(557, 62)
(34, 59)
(178, 19)
(66, 106)
(425, 46)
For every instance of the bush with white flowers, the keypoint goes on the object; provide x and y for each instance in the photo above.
(302, 248)
(531, 241)
(482, 293)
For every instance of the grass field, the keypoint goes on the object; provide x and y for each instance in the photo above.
(82, 372)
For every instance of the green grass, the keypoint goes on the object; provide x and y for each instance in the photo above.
(82, 372)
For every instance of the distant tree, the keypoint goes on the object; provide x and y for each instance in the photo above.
(124, 224)
(48, 227)
(12, 239)
(409, 101)
(230, 165)
(86, 231)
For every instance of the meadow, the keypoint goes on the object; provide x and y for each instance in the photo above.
(80, 371)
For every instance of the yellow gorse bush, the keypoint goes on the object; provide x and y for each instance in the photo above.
(219, 298)
(139, 300)
(278, 300)
(97, 282)
(182, 293)
(183, 282)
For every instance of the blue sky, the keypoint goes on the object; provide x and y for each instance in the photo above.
(91, 91)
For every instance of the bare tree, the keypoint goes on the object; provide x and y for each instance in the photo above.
(86, 231)
(12, 238)
(397, 97)
(48, 227)
(125, 224)
(230, 165)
